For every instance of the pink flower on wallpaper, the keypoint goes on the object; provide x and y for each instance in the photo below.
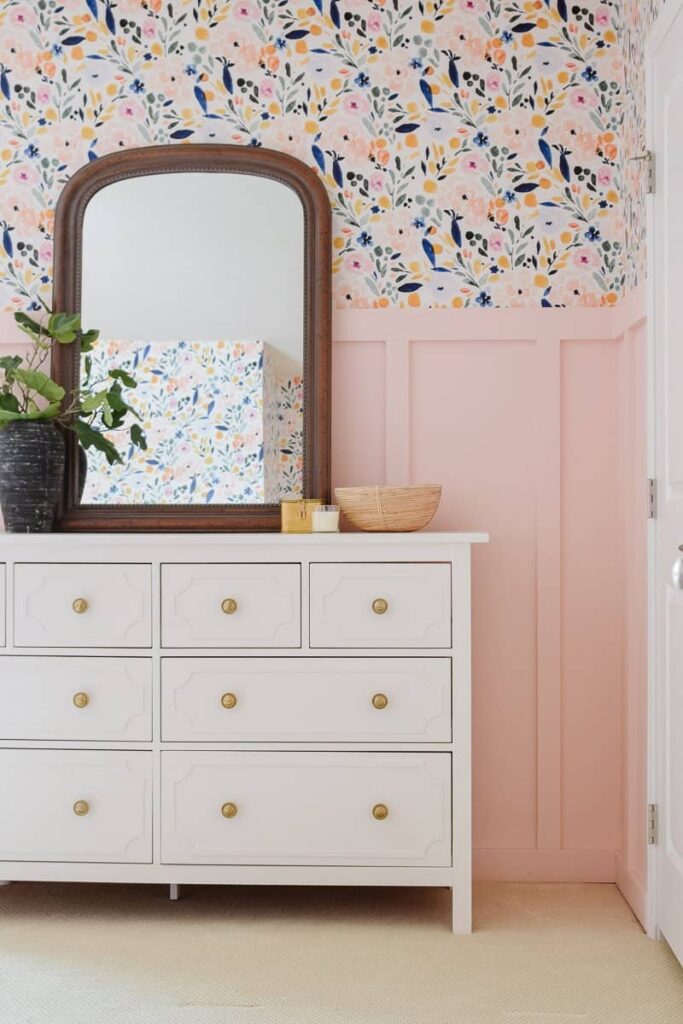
(585, 258)
(131, 110)
(584, 99)
(25, 174)
(23, 16)
(245, 10)
(358, 263)
(603, 17)
(356, 103)
(605, 177)
(496, 243)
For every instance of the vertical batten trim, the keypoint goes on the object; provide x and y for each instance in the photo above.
(548, 594)
(397, 411)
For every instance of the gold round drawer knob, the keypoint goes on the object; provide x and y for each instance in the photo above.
(380, 701)
(229, 700)
(380, 605)
(80, 605)
(229, 606)
(81, 700)
(380, 812)
(81, 808)
(229, 810)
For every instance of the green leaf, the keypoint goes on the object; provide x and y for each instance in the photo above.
(91, 438)
(64, 327)
(88, 339)
(124, 377)
(41, 384)
(9, 364)
(9, 403)
(137, 437)
(49, 412)
(28, 325)
(93, 402)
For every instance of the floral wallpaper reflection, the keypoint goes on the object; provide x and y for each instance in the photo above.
(471, 148)
(222, 426)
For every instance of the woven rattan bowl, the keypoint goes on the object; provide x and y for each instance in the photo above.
(390, 509)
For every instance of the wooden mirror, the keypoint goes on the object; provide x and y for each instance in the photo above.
(206, 270)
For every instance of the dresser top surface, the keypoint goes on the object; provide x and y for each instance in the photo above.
(14, 543)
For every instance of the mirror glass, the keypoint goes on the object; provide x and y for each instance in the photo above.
(195, 281)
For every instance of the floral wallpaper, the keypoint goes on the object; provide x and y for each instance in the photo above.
(213, 416)
(471, 148)
(638, 17)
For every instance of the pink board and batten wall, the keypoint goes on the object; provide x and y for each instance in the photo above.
(533, 421)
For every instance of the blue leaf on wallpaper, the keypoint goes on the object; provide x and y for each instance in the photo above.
(296, 33)
(428, 249)
(546, 151)
(319, 157)
(92, 155)
(260, 453)
(546, 304)
(209, 496)
(456, 233)
(193, 485)
(524, 26)
(426, 90)
(548, 203)
(334, 14)
(410, 286)
(4, 85)
(72, 40)
(200, 97)
(564, 167)
(453, 70)
(182, 133)
(227, 77)
(109, 19)
(406, 129)
(562, 10)
(526, 186)
(319, 5)
(337, 173)
(92, 7)
(7, 242)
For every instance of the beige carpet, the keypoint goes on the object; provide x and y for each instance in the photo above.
(554, 954)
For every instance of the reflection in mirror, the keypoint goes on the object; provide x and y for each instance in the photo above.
(195, 282)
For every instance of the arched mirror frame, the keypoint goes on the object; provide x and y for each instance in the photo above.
(217, 159)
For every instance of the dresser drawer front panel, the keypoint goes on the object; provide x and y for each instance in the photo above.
(306, 808)
(231, 606)
(306, 699)
(78, 605)
(42, 790)
(61, 698)
(391, 604)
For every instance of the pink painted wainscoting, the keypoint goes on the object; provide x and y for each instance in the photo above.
(533, 422)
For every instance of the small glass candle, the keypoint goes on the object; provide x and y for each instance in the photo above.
(326, 519)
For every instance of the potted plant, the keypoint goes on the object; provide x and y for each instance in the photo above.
(35, 410)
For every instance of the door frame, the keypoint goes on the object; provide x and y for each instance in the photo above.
(658, 33)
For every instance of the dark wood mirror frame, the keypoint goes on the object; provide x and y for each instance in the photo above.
(218, 159)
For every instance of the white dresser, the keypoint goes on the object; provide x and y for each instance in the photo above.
(242, 709)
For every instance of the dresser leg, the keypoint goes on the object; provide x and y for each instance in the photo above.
(462, 911)
(173, 891)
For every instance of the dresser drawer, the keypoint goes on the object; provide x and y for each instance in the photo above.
(76, 805)
(3, 605)
(391, 604)
(240, 605)
(99, 699)
(298, 699)
(100, 605)
(305, 808)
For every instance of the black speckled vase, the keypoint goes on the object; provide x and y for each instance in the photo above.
(31, 475)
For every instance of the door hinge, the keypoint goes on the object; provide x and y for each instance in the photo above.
(652, 825)
(648, 159)
(651, 499)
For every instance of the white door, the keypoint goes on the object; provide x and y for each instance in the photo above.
(666, 282)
